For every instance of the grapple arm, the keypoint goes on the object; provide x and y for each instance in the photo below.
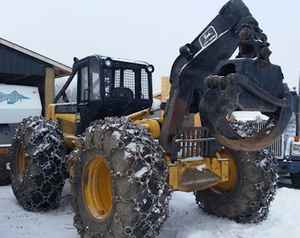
(204, 80)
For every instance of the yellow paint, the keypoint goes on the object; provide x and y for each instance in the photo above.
(21, 162)
(138, 115)
(197, 120)
(230, 183)
(97, 188)
(50, 112)
(218, 166)
(68, 122)
(165, 91)
(165, 88)
(152, 125)
(49, 87)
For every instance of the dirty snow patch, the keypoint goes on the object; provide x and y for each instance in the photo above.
(186, 219)
(190, 159)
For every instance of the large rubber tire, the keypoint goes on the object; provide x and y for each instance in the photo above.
(4, 172)
(140, 191)
(39, 186)
(254, 190)
(295, 180)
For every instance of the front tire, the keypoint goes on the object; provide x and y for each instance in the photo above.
(249, 200)
(119, 184)
(38, 164)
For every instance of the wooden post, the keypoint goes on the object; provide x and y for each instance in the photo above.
(49, 88)
(165, 88)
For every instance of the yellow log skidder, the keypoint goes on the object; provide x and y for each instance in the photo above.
(123, 157)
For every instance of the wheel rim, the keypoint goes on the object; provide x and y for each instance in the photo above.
(229, 185)
(97, 188)
(22, 162)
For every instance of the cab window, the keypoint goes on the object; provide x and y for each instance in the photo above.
(84, 77)
(95, 81)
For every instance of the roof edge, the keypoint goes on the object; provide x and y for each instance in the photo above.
(59, 68)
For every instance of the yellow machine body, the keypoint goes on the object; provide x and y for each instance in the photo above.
(198, 174)
(186, 174)
(68, 123)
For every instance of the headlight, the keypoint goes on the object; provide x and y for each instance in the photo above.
(295, 149)
(108, 62)
(150, 68)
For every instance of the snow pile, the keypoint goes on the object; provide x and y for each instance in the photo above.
(186, 220)
(17, 223)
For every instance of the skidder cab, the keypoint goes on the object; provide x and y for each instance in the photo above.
(121, 175)
(106, 87)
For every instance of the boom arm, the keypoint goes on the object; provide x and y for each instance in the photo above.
(205, 80)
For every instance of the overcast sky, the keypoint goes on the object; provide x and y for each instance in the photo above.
(144, 30)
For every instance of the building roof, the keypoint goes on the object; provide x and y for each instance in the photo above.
(60, 69)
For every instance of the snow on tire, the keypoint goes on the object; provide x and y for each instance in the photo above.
(255, 189)
(38, 167)
(139, 189)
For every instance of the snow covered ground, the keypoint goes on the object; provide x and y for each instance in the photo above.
(185, 221)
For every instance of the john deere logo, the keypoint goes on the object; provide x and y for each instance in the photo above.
(12, 98)
(208, 37)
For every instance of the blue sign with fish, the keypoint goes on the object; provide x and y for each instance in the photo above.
(12, 98)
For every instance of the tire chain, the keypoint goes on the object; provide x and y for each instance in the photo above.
(251, 128)
(126, 134)
(267, 162)
(43, 142)
(258, 210)
(268, 193)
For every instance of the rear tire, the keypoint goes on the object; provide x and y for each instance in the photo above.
(38, 164)
(295, 180)
(139, 188)
(4, 173)
(255, 189)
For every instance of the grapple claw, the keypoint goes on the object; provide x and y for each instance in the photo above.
(246, 90)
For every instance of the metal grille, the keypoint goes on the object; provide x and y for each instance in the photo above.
(144, 84)
(129, 80)
(191, 148)
(117, 78)
(126, 78)
(277, 148)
